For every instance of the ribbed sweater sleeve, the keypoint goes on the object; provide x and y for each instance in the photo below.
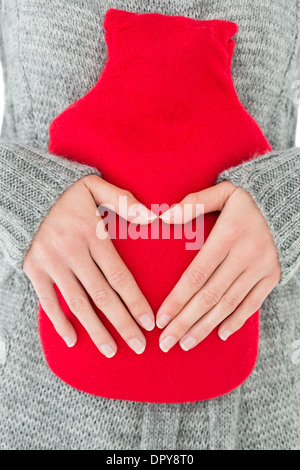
(273, 180)
(31, 181)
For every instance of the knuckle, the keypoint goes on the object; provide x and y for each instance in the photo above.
(90, 179)
(176, 303)
(97, 333)
(48, 304)
(118, 194)
(30, 266)
(197, 277)
(42, 253)
(38, 255)
(226, 186)
(77, 304)
(101, 297)
(60, 239)
(62, 248)
(97, 337)
(209, 298)
(274, 267)
(242, 259)
(183, 324)
(237, 323)
(276, 276)
(230, 303)
(193, 198)
(136, 304)
(206, 328)
(127, 194)
(118, 277)
(253, 305)
(231, 233)
(125, 326)
(86, 228)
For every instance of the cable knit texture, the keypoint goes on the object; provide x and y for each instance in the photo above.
(52, 54)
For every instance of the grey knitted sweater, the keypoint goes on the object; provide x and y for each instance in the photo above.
(52, 53)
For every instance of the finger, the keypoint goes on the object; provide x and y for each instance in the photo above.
(248, 307)
(122, 281)
(44, 288)
(80, 306)
(209, 200)
(106, 299)
(212, 254)
(204, 301)
(120, 201)
(230, 301)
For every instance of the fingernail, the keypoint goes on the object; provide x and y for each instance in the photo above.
(167, 343)
(137, 345)
(70, 342)
(147, 322)
(173, 215)
(188, 343)
(225, 334)
(107, 350)
(163, 320)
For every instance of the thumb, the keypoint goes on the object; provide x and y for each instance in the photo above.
(195, 204)
(119, 200)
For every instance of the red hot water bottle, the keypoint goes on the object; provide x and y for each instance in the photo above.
(162, 121)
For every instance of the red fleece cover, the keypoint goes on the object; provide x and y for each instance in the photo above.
(162, 121)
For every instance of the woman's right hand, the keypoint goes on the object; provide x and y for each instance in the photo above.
(67, 252)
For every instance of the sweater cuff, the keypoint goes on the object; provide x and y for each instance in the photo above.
(273, 181)
(31, 181)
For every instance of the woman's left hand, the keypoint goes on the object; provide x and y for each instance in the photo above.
(230, 277)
